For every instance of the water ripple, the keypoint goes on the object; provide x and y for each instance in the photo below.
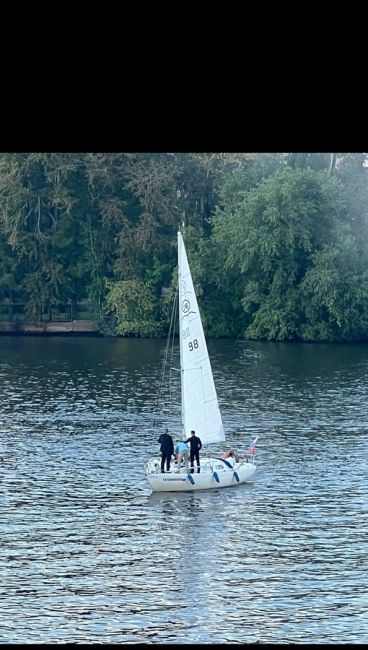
(90, 555)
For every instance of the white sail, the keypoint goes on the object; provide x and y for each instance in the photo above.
(200, 409)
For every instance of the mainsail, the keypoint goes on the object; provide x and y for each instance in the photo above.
(200, 409)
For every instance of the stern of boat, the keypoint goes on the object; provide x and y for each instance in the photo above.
(214, 474)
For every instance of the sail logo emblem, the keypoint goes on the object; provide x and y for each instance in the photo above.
(185, 306)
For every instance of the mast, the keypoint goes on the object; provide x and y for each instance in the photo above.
(180, 336)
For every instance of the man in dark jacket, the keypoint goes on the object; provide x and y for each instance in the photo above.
(195, 446)
(167, 450)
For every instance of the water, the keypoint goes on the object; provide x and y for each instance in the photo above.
(88, 554)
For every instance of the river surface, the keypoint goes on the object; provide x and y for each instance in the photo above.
(88, 554)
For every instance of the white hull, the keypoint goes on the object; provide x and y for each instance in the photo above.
(213, 475)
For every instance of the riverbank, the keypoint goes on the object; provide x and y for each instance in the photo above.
(51, 327)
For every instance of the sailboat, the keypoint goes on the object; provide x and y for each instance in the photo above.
(200, 409)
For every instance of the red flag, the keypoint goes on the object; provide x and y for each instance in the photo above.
(252, 448)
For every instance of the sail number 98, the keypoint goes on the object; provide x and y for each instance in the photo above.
(193, 345)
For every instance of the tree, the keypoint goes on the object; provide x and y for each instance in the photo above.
(136, 308)
(268, 240)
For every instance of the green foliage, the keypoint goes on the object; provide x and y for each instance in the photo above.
(275, 239)
(336, 292)
(136, 309)
(316, 161)
(277, 242)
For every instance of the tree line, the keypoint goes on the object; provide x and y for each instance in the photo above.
(277, 242)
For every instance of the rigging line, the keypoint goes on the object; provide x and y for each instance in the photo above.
(171, 397)
(166, 354)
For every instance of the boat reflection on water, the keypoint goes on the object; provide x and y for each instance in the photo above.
(194, 541)
(188, 501)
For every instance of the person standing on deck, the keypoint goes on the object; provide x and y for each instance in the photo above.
(167, 450)
(195, 447)
(182, 453)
